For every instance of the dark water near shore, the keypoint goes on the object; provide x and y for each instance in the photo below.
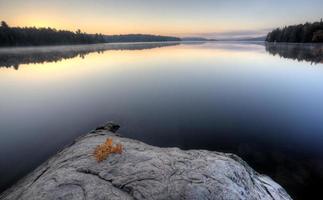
(262, 102)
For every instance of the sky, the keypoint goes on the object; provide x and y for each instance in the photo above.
(185, 18)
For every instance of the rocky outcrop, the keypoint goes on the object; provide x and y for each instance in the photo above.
(142, 172)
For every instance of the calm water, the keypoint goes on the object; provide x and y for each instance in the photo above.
(262, 102)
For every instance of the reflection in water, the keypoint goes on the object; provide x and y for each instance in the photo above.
(223, 96)
(13, 57)
(301, 52)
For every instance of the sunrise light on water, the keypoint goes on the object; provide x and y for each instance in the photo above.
(212, 99)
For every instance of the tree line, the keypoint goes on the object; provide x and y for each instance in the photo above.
(32, 36)
(302, 33)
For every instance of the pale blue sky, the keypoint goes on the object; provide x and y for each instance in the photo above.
(177, 17)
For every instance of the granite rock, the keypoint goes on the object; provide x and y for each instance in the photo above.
(142, 172)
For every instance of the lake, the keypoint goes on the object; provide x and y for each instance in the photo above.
(263, 102)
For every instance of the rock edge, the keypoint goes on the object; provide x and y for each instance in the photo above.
(142, 172)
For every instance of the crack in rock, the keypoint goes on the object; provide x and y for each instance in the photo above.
(143, 172)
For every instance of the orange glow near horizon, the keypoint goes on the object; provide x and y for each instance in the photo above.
(111, 27)
(116, 25)
(120, 27)
(167, 17)
(121, 60)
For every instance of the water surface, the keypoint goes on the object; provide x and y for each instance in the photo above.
(262, 102)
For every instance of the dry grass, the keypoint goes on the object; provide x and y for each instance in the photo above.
(102, 151)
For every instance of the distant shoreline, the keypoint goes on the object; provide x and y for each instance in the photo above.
(32, 36)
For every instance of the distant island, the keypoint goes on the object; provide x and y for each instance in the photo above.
(32, 36)
(244, 39)
(301, 33)
(197, 39)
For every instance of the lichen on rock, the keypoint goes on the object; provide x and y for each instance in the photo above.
(102, 151)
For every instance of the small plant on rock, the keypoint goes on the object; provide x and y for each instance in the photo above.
(102, 151)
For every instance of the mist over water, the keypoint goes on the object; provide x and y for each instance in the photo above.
(260, 101)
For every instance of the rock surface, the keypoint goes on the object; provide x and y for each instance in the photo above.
(142, 172)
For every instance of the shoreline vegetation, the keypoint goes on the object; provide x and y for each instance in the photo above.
(301, 33)
(32, 36)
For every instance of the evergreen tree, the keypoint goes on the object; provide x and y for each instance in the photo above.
(31, 36)
(302, 33)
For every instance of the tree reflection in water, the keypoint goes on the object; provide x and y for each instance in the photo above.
(301, 52)
(14, 57)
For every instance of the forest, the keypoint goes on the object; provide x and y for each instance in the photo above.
(301, 33)
(32, 36)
